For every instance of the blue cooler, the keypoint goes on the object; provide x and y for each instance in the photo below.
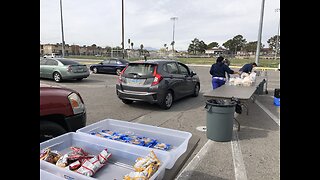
(276, 101)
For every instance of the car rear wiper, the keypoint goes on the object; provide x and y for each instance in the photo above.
(135, 74)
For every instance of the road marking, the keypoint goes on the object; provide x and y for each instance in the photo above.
(202, 128)
(196, 159)
(272, 116)
(240, 172)
(139, 119)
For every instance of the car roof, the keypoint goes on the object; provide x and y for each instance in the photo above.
(154, 61)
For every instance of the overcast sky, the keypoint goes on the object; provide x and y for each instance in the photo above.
(147, 22)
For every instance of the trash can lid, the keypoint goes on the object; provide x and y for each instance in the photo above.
(221, 102)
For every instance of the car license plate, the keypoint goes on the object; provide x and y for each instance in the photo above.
(79, 70)
(135, 81)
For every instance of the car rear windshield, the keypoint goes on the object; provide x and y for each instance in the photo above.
(140, 69)
(68, 62)
(124, 61)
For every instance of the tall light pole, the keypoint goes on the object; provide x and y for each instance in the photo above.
(122, 31)
(62, 28)
(277, 43)
(174, 20)
(259, 34)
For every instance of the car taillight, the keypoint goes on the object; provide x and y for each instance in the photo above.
(120, 75)
(157, 77)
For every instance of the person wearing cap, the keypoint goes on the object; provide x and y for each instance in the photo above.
(218, 72)
(247, 68)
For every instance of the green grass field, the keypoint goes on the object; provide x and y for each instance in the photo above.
(271, 63)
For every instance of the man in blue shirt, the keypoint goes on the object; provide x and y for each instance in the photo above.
(218, 72)
(247, 68)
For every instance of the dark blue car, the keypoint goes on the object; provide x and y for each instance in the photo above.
(112, 66)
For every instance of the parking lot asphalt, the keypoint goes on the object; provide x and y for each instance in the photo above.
(254, 152)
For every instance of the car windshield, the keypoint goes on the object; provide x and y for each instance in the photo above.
(67, 62)
(140, 69)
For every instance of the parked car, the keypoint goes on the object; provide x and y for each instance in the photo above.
(61, 110)
(157, 81)
(113, 66)
(52, 55)
(60, 69)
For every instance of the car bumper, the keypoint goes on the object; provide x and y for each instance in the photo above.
(75, 76)
(151, 96)
(76, 121)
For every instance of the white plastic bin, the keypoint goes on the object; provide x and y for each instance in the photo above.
(119, 164)
(177, 139)
(44, 175)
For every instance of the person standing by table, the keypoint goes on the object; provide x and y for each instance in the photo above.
(218, 72)
(247, 68)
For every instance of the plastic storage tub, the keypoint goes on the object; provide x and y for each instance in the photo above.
(177, 139)
(44, 175)
(119, 164)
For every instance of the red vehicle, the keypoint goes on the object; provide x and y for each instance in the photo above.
(61, 110)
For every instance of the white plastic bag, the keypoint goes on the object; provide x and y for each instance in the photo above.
(243, 75)
(253, 76)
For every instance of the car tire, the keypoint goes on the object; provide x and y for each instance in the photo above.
(95, 70)
(57, 77)
(118, 71)
(50, 130)
(126, 101)
(196, 90)
(167, 100)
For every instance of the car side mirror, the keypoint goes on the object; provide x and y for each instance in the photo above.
(193, 73)
(100, 63)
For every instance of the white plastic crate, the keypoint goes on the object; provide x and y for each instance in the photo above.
(44, 175)
(177, 139)
(119, 164)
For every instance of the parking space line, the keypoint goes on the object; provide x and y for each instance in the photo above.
(196, 159)
(240, 172)
(272, 116)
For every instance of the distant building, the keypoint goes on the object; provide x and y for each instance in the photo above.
(216, 51)
(52, 48)
(75, 49)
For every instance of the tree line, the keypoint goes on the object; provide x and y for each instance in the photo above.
(237, 43)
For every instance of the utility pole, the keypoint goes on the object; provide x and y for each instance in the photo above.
(277, 44)
(259, 34)
(174, 19)
(122, 31)
(62, 29)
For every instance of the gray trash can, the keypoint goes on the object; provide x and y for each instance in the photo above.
(220, 114)
(259, 89)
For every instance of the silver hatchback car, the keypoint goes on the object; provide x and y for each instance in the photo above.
(157, 81)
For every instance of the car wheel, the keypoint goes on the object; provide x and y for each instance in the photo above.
(95, 70)
(57, 77)
(196, 90)
(167, 101)
(126, 101)
(50, 130)
(118, 71)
